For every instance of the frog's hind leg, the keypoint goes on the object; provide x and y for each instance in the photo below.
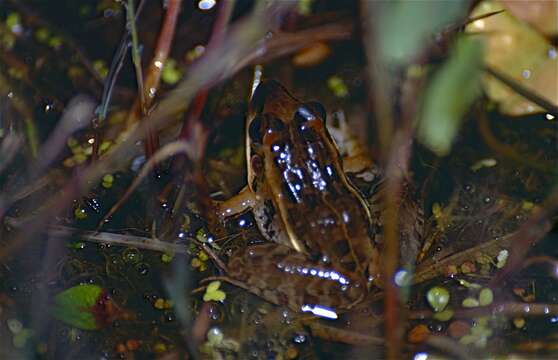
(284, 276)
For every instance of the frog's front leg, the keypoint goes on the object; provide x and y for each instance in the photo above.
(239, 203)
(284, 276)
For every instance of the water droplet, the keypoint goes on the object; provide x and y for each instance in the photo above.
(526, 74)
(142, 269)
(421, 356)
(131, 255)
(299, 338)
(402, 278)
(257, 319)
(215, 313)
(552, 53)
(206, 4)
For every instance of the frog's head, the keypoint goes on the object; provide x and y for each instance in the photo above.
(274, 114)
(276, 119)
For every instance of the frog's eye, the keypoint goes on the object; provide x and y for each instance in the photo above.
(273, 128)
(318, 109)
(312, 112)
(274, 124)
(255, 130)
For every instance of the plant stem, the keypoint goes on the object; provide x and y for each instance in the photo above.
(136, 58)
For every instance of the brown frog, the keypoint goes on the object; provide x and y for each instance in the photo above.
(322, 252)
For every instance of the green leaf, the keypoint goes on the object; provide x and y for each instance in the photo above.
(405, 26)
(74, 306)
(449, 95)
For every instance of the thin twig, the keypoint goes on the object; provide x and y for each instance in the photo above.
(506, 308)
(528, 234)
(136, 57)
(110, 82)
(162, 50)
(509, 151)
(523, 91)
(155, 69)
(139, 242)
(332, 333)
(153, 73)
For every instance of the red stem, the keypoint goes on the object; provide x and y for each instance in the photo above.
(154, 70)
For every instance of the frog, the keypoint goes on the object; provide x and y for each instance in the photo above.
(321, 249)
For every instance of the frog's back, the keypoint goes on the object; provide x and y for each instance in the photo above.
(323, 215)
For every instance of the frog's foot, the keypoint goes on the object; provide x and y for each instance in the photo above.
(284, 276)
(239, 203)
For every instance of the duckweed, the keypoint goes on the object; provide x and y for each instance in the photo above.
(108, 179)
(444, 315)
(212, 293)
(486, 297)
(438, 298)
(167, 257)
(470, 302)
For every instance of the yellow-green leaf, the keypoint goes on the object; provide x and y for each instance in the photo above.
(449, 95)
